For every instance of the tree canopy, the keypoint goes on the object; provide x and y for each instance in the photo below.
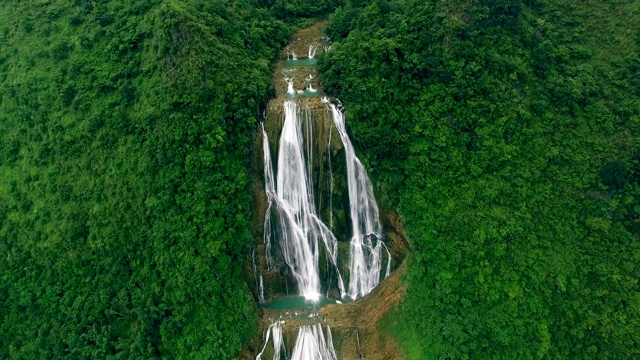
(125, 133)
(506, 133)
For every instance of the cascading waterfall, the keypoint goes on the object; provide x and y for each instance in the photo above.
(275, 330)
(300, 250)
(270, 190)
(312, 51)
(330, 347)
(290, 89)
(310, 344)
(309, 80)
(366, 244)
(301, 230)
(330, 185)
(295, 235)
(261, 290)
(258, 277)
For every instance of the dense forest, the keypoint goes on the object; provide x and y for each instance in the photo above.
(506, 133)
(124, 164)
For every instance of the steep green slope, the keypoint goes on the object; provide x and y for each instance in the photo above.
(124, 205)
(507, 133)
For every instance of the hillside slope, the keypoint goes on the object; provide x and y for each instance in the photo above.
(507, 134)
(124, 144)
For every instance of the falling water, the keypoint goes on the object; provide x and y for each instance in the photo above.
(300, 251)
(301, 230)
(309, 80)
(270, 190)
(358, 343)
(261, 290)
(290, 89)
(293, 222)
(275, 330)
(330, 185)
(330, 347)
(312, 51)
(366, 245)
(311, 344)
(258, 277)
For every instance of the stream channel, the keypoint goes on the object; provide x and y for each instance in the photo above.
(323, 246)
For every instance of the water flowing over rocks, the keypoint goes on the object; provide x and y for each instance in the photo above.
(322, 248)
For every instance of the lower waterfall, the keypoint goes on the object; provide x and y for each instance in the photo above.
(311, 343)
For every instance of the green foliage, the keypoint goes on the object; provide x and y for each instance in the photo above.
(292, 9)
(341, 21)
(614, 175)
(506, 134)
(125, 212)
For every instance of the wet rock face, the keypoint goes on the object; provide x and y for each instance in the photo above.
(325, 170)
(268, 273)
(329, 185)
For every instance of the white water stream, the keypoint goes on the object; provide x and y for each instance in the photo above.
(301, 230)
(312, 51)
(312, 345)
(293, 226)
(366, 237)
(275, 332)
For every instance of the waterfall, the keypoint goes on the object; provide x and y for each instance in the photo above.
(258, 277)
(275, 330)
(290, 89)
(366, 244)
(270, 190)
(330, 184)
(301, 230)
(330, 347)
(295, 237)
(312, 51)
(310, 344)
(261, 291)
(300, 250)
(309, 80)
(278, 341)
